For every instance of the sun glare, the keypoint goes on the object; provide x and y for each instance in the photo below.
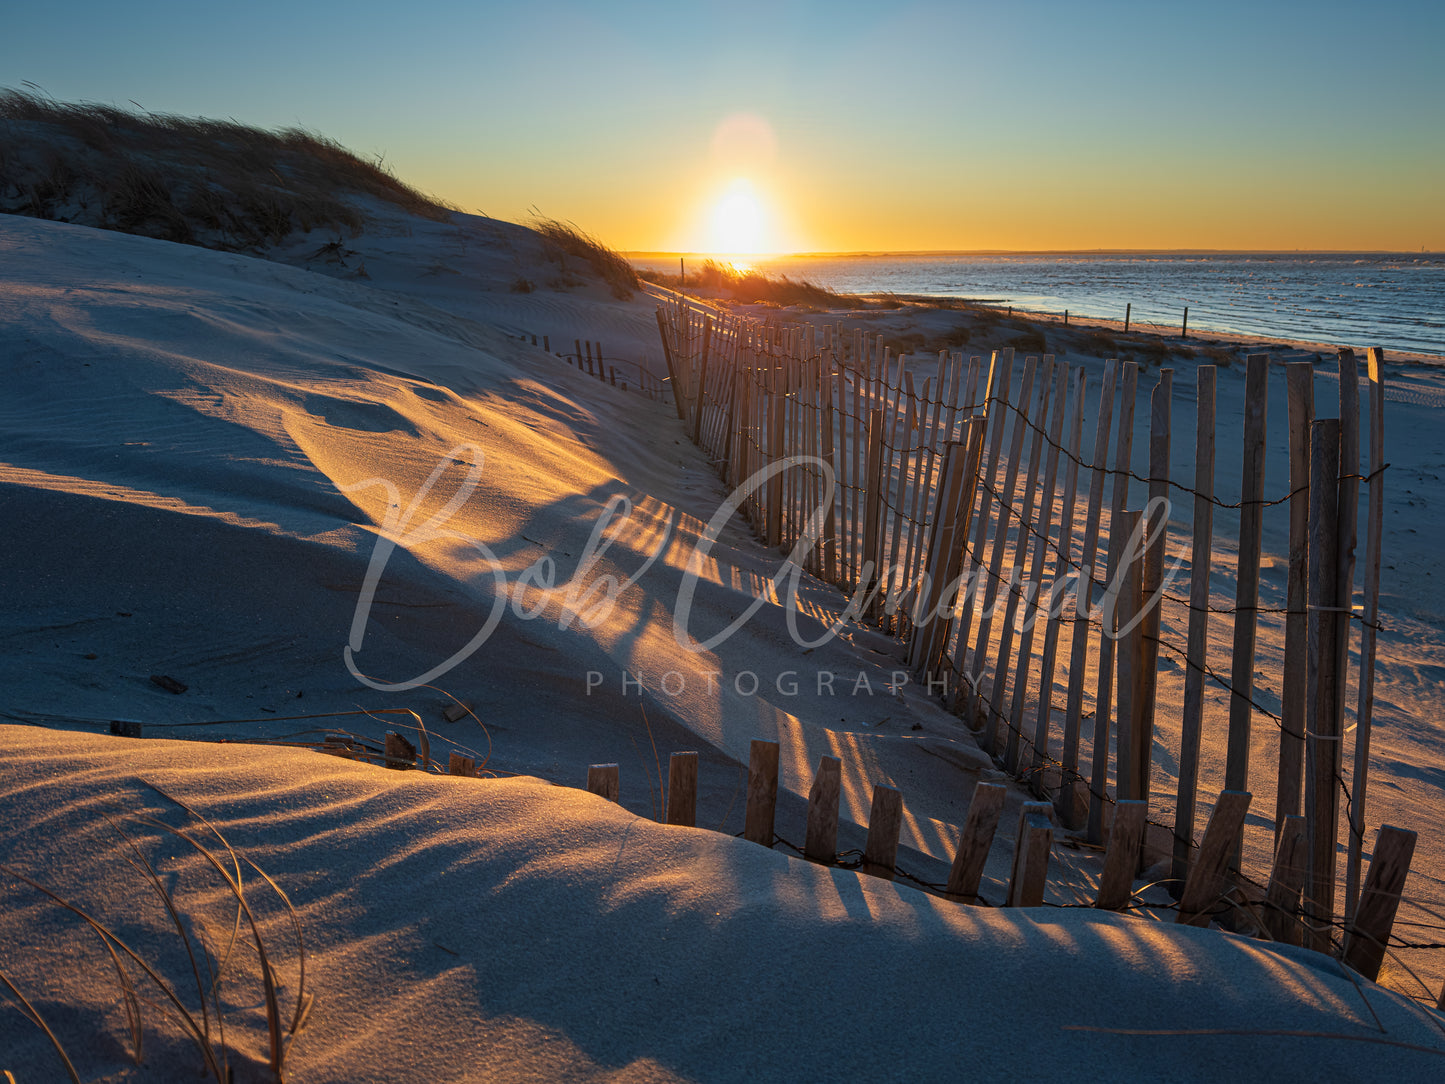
(738, 221)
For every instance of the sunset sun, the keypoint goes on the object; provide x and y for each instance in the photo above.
(738, 221)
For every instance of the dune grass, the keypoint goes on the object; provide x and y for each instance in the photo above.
(201, 1019)
(217, 183)
(566, 239)
(751, 287)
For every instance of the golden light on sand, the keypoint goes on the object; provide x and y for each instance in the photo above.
(739, 222)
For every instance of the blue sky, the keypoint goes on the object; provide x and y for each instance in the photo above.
(906, 126)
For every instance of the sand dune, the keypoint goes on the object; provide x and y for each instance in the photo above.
(204, 458)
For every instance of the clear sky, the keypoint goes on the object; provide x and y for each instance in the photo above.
(826, 126)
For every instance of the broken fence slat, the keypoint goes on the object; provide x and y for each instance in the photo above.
(1367, 936)
(682, 789)
(975, 840)
(604, 780)
(1282, 897)
(762, 792)
(1031, 854)
(885, 822)
(1208, 879)
(1121, 860)
(821, 842)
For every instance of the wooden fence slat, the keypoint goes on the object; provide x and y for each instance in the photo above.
(1052, 387)
(1051, 608)
(869, 565)
(1294, 693)
(1365, 702)
(821, 842)
(975, 840)
(682, 789)
(1031, 855)
(956, 490)
(1121, 859)
(1118, 539)
(1128, 607)
(1200, 558)
(777, 404)
(700, 406)
(1209, 875)
(1083, 595)
(831, 567)
(999, 724)
(1246, 595)
(677, 396)
(1323, 738)
(885, 822)
(1146, 669)
(1367, 936)
(1286, 879)
(399, 753)
(762, 792)
(604, 779)
(996, 411)
(994, 576)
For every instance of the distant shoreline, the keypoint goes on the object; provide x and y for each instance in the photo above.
(870, 254)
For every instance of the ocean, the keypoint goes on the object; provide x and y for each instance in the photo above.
(1396, 301)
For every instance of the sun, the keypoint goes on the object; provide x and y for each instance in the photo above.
(739, 223)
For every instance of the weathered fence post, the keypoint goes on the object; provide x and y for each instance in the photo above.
(1286, 879)
(1118, 540)
(762, 792)
(603, 779)
(682, 789)
(1031, 855)
(1322, 747)
(1368, 934)
(821, 842)
(1121, 859)
(1209, 876)
(885, 821)
(975, 839)
(671, 364)
(1246, 595)
(1199, 565)
(1294, 694)
(1365, 703)
(1128, 608)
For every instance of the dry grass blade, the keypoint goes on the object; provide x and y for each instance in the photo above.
(187, 1020)
(33, 1015)
(303, 999)
(143, 866)
(277, 1047)
(615, 270)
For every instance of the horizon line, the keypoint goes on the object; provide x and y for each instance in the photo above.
(864, 253)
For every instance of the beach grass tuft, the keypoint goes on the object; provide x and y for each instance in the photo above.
(217, 183)
(749, 287)
(567, 239)
(201, 1018)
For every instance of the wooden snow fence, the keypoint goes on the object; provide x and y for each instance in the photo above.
(959, 506)
(1210, 891)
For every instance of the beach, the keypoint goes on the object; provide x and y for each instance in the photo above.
(299, 494)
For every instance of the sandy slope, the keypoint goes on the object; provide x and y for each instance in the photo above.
(511, 930)
(198, 456)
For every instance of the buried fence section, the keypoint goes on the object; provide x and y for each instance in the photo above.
(952, 503)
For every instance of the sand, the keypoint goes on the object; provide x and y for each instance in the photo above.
(203, 455)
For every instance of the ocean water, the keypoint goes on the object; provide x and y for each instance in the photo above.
(1396, 301)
